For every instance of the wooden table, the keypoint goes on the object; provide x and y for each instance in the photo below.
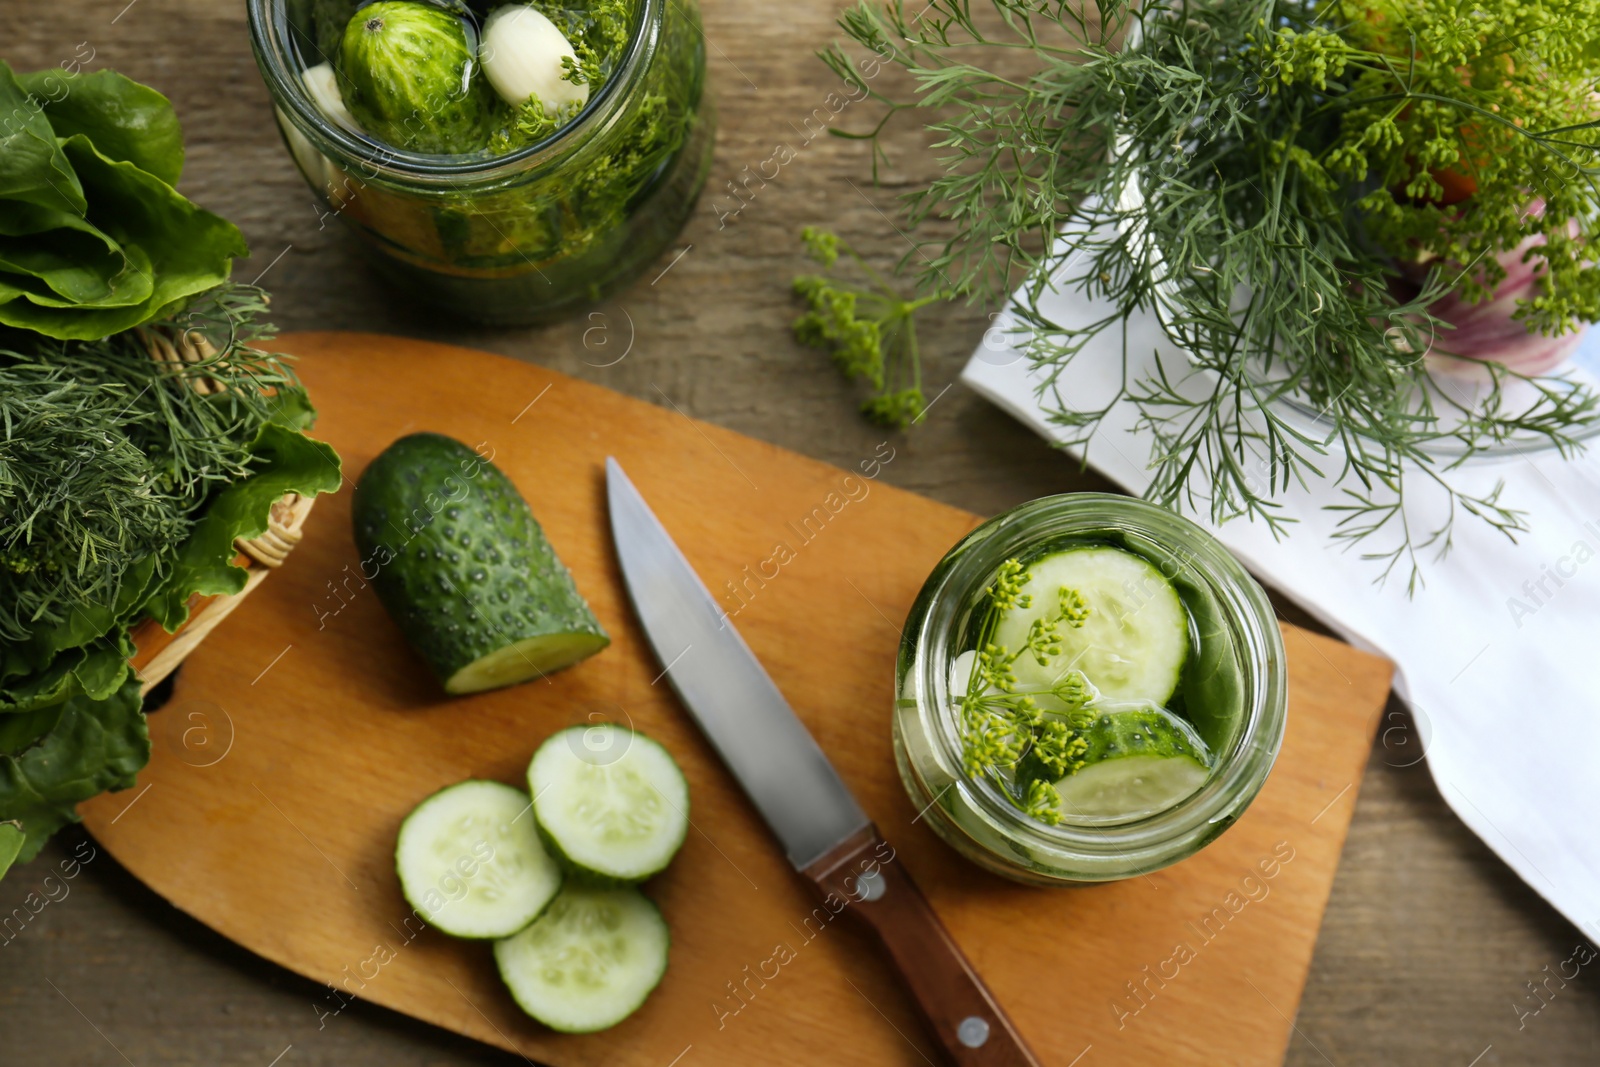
(1428, 941)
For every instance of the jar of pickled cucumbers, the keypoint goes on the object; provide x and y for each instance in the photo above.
(505, 162)
(1089, 687)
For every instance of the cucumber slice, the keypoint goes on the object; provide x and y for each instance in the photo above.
(470, 861)
(1131, 788)
(1140, 761)
(612, 804)
(589, 961)
(1135, 640)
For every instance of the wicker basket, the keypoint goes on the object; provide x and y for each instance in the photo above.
(156, 652)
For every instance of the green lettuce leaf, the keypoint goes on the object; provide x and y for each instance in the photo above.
(94, 238)
(33, 168)
(288, 462)
(18, 218)
(24, 729)
(78, 267)
(96, 670)
(125, 120)
(94, 746)
(292, 409)
(10, 844)
(176, 250)
(104, 667)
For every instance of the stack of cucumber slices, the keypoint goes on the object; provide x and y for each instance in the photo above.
(552, 880)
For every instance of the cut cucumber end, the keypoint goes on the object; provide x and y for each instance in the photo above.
(471, 863)
(464, 567)
(1130, 788)
(533, 657)
(589, 961)
(612, 805)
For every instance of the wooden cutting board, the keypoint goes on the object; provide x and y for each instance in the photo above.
(303, 730)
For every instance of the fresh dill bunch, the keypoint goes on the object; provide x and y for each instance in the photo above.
(80, 498)
(1272, 179)
(870, 330)
(107, 455)
(1003, 727)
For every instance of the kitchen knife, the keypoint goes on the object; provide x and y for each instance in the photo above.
(827, 836)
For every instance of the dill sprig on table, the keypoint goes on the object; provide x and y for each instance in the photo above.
(107, 456)
(1254, 171)
(869, 330)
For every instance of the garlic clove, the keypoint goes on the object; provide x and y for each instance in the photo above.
(521, 55)
(323, 85)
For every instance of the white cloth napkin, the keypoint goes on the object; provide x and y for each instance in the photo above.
(1502, 674)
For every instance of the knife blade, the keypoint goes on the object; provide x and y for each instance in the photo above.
(827, 836)
(726, 689)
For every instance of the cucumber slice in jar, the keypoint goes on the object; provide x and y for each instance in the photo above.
(471, 863)
(1133, 644)
(589, 961)
(1140, 761)
(611, 804)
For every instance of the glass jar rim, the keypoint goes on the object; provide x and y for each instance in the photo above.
(1150, 841)
(269, 36)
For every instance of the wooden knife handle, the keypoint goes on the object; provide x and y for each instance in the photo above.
(863, 873)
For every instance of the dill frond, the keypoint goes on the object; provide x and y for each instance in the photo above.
(1257, 173)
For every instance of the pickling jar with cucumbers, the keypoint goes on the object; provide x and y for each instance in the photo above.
(1089, 687)
(506, 162)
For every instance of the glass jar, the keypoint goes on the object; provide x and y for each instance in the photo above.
(1232, 627)
(531, 235)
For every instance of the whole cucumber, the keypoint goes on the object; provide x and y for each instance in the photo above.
(411, 78)
(461, 564)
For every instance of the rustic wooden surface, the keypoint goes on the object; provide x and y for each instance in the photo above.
(1428, 941)
(298, 736)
